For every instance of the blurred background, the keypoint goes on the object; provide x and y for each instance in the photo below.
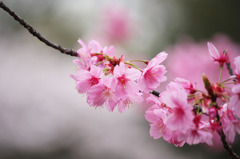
(41, 113)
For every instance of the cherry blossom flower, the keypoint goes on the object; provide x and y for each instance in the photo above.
(124, 103)
(237, 69)
(125, 84)
(87, 79)
(181, 116)
(101, 94)
(230, 123)
(187, 85)
(92, 54)
(199, 135)
(153, 74)
(155, 116)
(117, 24)
(216, 56)
(234, 103)
(176, 138)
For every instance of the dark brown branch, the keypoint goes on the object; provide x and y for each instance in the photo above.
(35, 33)
(156, 93)
(213, 97)
(230, 71)
(227, 146)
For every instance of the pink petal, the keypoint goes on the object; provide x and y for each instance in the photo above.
(109, 51)
(158, 59)
(96, 71)
(94, 46)
(83, 44)
(82, 86)
(213, 51)
(237, 65)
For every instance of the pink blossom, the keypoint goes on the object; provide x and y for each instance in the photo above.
(92, 47)
(102, 93)
(214, 53)
(216, 56)
(155, 116)
(187, 85)
(84, 50)
(84, 54)
(234, 103)
(124, 79)
(117, 24)
(152, 99)
(153, 74)
(199, 135)
(181, 116)
(176, 138)
(230, 129)
(123, 104)
(88, 54)
(212, 111)
(230, 125)
(237, 67)
(87, 79)
(189, 59)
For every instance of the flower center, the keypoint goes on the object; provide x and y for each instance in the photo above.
(94, 81)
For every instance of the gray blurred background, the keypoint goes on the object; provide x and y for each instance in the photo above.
(41, 113)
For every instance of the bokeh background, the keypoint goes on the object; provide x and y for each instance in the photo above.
(41, 113)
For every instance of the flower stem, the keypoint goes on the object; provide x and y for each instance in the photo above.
(101, 62)
(227, 83)
(108, 57)
(220, 75)
(227, 147)
(231, 78)
(144, 61)
(130, 64)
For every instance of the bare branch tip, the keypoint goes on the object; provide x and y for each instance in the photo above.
(36, 33)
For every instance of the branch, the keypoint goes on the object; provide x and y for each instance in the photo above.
(156, 93)
(35, 33)
(230, 71)
(227, 146)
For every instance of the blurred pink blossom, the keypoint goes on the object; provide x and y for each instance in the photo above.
(220, 58)
(116, 24)
(189, 59)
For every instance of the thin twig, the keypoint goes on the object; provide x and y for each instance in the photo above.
(35, 33)
(227, 146)
(220, 132)
(156, 93)
(230, 71)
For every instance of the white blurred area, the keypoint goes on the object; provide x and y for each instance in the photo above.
(41, 113)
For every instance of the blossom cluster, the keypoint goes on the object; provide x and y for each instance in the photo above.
(180, 114)
(112, 82)
(183, 114)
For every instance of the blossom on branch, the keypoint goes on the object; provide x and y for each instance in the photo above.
(153, 74)
(112, 82)
(221, 58)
